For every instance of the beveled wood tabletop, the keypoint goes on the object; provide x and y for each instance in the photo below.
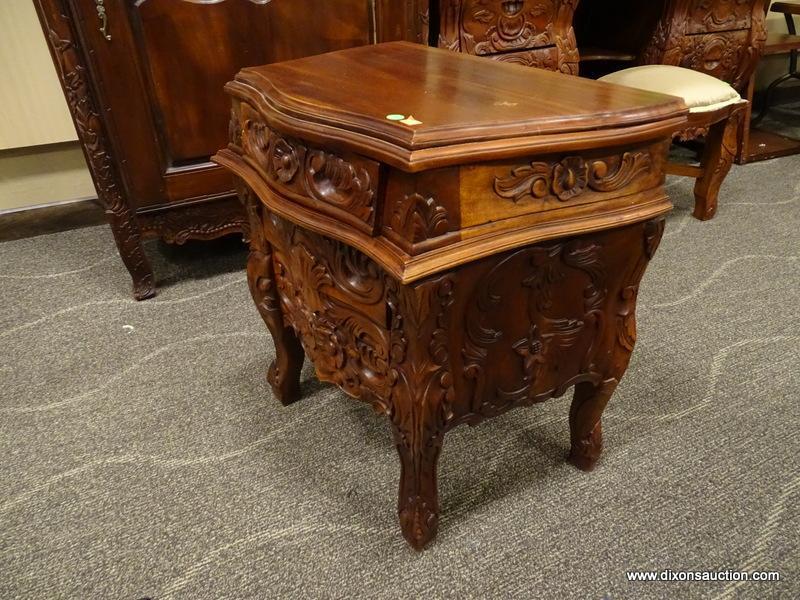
(454, 99)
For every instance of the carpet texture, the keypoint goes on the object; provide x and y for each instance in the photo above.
(145, 456)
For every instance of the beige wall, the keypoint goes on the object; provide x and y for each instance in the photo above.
(32, 107)
(33, 117)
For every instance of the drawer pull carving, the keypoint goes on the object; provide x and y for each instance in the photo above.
(571, 177)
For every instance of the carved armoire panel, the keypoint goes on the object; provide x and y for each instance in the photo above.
(145, 79)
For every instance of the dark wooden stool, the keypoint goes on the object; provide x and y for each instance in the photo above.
(448, 238)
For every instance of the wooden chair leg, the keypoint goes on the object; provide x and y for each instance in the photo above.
(720, 149)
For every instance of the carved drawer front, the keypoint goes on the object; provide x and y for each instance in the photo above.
(491, 26)
(707, 16)
(343, 186)
(718, 54)
(511, 189)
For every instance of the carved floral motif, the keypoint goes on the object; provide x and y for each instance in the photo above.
(571, 176)
(315, 174)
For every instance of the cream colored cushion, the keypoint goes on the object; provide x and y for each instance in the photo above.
(700, 92)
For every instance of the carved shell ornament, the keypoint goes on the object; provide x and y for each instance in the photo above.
(569, 178)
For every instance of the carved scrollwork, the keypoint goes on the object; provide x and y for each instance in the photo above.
(283, 163)
(85, 111)
(318, 175)
(333, 297)
(332, 179)
(612, 174)
(204, 221)
(417, 218)
(571, 176)
(553, 334)
(492, 26)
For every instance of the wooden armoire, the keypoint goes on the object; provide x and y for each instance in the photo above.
(144, 83)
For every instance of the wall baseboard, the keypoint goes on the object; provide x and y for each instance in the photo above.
(19, 223)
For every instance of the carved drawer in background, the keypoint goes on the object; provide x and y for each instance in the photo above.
(491, 26)
(718, 54)
(542, 58)
(722, 15)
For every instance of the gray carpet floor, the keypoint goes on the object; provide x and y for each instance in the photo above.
(143, 454)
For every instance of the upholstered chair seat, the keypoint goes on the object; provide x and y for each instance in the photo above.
(714, 108)
(700, 92)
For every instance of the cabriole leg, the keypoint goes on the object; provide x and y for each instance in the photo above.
(418, 499)
(586, 429)
(284, 372)
(720, 148)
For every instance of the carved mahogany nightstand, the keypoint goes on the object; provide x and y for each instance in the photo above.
(482, 255)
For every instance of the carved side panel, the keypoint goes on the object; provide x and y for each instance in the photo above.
(544, 318)
(344, 186)
(85, 110)
(334, 297)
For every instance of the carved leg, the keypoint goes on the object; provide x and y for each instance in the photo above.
(422, 397)
(284, 372)
(720, 148)
(126, 235)
(419, 445)
(586, 429)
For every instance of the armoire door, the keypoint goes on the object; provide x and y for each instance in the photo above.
(159, 67)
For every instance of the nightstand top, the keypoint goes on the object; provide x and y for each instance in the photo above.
(412, 97)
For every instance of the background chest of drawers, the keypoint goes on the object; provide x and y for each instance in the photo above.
(723, 38)
(535, 33)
